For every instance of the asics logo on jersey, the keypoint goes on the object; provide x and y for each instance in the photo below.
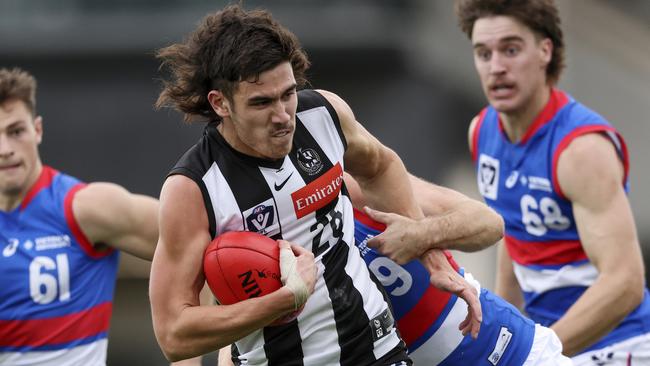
(512, 179)
(279, 186)
(10, 249)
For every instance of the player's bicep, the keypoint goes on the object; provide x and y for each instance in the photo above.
(363, 156)
(590, 175)
(110, 215)
(177, 268)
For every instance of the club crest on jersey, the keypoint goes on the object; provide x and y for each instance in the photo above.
(488, 176)
(309, 161)
(262, 218)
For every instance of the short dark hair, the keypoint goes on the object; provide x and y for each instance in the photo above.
(541, 16)
(18, 84)
(227, 47)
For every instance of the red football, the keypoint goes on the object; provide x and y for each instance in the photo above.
(240, 265)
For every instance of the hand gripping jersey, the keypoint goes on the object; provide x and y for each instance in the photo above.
(519, 181)
(428, 318)
(57, 290)
(302, 199)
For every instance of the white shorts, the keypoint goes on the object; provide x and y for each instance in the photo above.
(546, 349)
(634, 351)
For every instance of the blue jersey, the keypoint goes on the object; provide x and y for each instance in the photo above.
(519, 181)
(57, 289)
(428, 318)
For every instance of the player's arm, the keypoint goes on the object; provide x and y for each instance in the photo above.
(378, 170)
(384, 181)
(453, 220)
(110, 215)
(182, 326)
(590, 175)
(506, 284)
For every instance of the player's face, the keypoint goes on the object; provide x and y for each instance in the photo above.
(262, 115)
(511, 62)
(20, 135)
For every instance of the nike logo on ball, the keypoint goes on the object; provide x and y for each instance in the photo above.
(279, 187)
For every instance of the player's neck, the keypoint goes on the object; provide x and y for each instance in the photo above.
(517, 123)
(10, 200)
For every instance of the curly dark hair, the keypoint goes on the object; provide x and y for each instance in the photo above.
(18, 84)
(229, 46)
(541, 16)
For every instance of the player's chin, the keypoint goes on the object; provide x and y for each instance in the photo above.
(280, 150)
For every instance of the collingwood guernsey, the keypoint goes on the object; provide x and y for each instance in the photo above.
(302, 199)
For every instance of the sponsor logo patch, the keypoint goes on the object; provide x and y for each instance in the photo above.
(319, 192)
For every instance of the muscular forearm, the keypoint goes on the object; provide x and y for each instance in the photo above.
(198, 330)
(599, 310)
(469, 227)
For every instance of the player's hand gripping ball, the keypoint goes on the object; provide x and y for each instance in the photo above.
(241, 265)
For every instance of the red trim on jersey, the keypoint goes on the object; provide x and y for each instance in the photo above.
(43, 181)
(566, 141)
(556, 101)
(475, 134)
(554, 252)
(79, 235)
(419, 319)
(368, 221)
(57, 330)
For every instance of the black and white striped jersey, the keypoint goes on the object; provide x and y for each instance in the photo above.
(302, 199)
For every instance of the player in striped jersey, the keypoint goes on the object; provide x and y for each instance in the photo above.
(271, 160)
(558, 174)
(428, 318)
(60, 241)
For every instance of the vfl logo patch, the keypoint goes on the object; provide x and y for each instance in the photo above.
(319, 192)
(309, 161)
(262, 218)
(488, 176)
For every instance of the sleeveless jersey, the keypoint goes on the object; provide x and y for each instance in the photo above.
(519, 181)
(300, 198)
(428, 318)
(57, 290)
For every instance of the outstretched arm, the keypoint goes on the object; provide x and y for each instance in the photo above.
(453, 221)
(590, 174)
(110, 215)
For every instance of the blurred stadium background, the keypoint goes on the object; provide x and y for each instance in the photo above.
(403, 66)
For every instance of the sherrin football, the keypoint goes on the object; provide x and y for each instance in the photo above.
(241, 265)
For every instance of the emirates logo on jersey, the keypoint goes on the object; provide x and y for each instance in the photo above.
(319, 192)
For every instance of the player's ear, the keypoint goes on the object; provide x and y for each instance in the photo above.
(38, 127)
(219, 103)
(545, 51)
